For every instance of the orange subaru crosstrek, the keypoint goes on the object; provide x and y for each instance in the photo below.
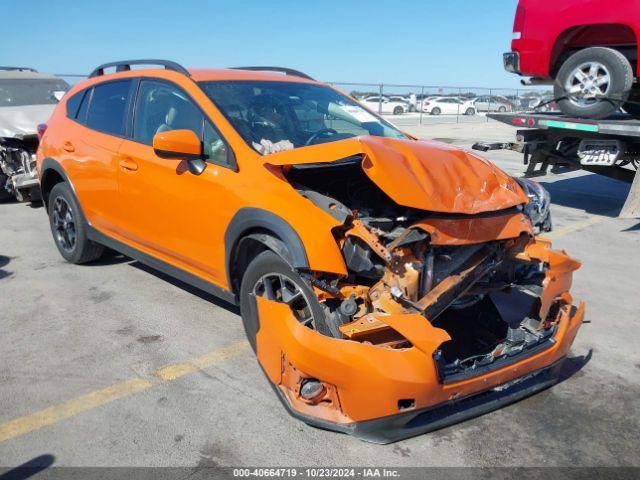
(388, 285)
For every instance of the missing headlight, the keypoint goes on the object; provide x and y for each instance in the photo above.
(538, 208)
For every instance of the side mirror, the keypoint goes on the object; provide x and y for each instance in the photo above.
(181, 145)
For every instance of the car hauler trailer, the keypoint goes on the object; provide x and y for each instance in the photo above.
(609, 147)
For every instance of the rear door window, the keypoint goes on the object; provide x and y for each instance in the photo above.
(108, 109)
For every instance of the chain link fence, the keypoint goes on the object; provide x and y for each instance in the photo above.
(407, 105)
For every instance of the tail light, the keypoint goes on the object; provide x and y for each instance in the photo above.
(41, 129)
(518, 22)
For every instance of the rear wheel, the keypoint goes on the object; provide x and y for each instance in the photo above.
(436, 111)
(470, 111)
(593, 82)
(69, 227)
(269, 276)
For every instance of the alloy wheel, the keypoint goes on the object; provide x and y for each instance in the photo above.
(586, 82)
(64, 224)
(280, 288)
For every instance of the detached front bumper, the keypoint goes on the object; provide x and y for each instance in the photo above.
(366, 385)
(404, 425)
(511, 61)
(383, 395)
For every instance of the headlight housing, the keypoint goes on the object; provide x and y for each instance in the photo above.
(538, 208)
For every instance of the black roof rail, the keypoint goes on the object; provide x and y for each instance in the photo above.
(19, 69)
(125, 65)
(286, 71)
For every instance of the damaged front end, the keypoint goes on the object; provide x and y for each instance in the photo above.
(18, 174)
(444, 313)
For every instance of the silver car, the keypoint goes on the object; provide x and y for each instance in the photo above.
(492, 103)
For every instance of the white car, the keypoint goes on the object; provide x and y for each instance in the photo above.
(411, 101)
(394, 107)
(448, 105)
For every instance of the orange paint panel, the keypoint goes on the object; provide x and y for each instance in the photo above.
(465, 231)
(419, 174)
(364, 372)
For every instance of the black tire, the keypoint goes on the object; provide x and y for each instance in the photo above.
(436, 111)
(620, 73)
(5, 195)
(470, 111)
(263, 265)
(633, 107)
(398, 110)
(81, 249)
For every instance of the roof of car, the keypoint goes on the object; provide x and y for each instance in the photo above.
(220, 74)
(24, 74)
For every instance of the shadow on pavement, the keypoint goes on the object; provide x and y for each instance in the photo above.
(4, 261)
(592, 193)
(29, 469)
(573, 365)
(109, 257)
(188, 288)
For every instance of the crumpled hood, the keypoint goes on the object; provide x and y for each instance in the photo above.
(23, 120)
(420, 174)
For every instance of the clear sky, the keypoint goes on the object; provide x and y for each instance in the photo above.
(432, 42)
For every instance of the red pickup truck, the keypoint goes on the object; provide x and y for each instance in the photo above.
(588, 49)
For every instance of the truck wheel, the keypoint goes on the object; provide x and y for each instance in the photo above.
(269, 276)
(5, 195)
(589, 73)
(633, 108)
(69, 227)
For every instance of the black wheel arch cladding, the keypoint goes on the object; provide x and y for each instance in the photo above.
(266, 228)
(52, 169)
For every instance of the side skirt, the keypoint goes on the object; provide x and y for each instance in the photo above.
(162, 266)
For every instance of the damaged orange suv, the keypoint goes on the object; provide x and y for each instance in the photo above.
(388, 286)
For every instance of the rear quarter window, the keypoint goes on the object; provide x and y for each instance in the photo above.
(73, 104)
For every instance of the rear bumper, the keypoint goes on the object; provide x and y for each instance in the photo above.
(511, 61)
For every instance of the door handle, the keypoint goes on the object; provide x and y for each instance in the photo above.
(68, 146)
(128, 164)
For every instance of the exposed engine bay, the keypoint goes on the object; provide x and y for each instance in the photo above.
(18, 175)
(466, 274)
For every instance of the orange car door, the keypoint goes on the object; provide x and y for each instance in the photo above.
(167, 211)
(91, 145)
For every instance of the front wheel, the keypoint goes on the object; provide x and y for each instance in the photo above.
(593, 82)
(398, 111)
(269, 276)
(69, 228)
(5, 195)
(436, 111)
(470, 111)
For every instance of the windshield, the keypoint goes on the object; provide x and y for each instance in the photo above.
(17, 92)
(275, 116)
